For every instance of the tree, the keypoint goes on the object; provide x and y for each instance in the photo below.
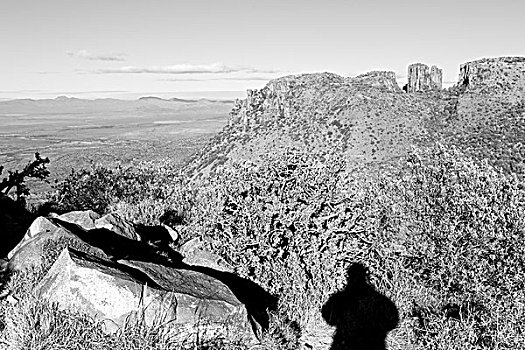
(17, 179)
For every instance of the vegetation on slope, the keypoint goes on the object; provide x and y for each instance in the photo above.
(441, 235)
(441, 238)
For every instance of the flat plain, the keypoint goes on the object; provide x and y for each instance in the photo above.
(74, 133)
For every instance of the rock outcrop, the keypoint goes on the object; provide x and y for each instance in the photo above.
(494, 76)
(365, 119)
(436, 78)
(274, 100)
(109, 237)
(421, 78)
(380, 79)
(195, 254)
(311, 111)
(113, 270)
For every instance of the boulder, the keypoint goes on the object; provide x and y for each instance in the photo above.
(39, 246)
(197, 304)
(118, 225)
(40, 225)
(99, 288)
(114, 276)
(195, 254)
(86, 219)
(116, 245)
(160, 235)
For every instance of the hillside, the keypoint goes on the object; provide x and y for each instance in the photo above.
(435, 225)
(370, 120)
(367, 216)
(489, 117)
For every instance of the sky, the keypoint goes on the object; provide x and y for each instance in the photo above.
(220, 48)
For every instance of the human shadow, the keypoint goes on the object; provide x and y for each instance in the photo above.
(362, 316)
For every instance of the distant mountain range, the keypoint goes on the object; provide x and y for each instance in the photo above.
(72, 131)
(63, 104)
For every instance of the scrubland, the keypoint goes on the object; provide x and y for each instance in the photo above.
(441, 234)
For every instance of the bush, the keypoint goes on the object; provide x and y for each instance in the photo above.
(441, 235)
(100, 187)
(464, 225)
(292, 223)
(17, 179)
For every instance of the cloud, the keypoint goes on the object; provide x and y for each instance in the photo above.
(96, 57)
(88, 92)
(20, 91)
(248, 78)
(214, 68)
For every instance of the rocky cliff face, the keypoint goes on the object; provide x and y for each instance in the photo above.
(421, 78)
(368, 119)
(494, 76)
(273, 101)
(436, 78)
(488, 122)
(379, 79)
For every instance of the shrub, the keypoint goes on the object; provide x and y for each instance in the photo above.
(441, 235)
(100, 187)
(292, 223)
(464, 226)
(17, 179)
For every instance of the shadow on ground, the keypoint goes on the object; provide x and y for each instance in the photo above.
(362, 316)
(14, 222)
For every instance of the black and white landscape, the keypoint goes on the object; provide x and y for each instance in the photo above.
(262, 175)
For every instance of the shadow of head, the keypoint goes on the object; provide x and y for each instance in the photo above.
(356, 273)
(362, 316)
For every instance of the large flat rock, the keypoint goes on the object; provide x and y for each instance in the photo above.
(196, 304)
